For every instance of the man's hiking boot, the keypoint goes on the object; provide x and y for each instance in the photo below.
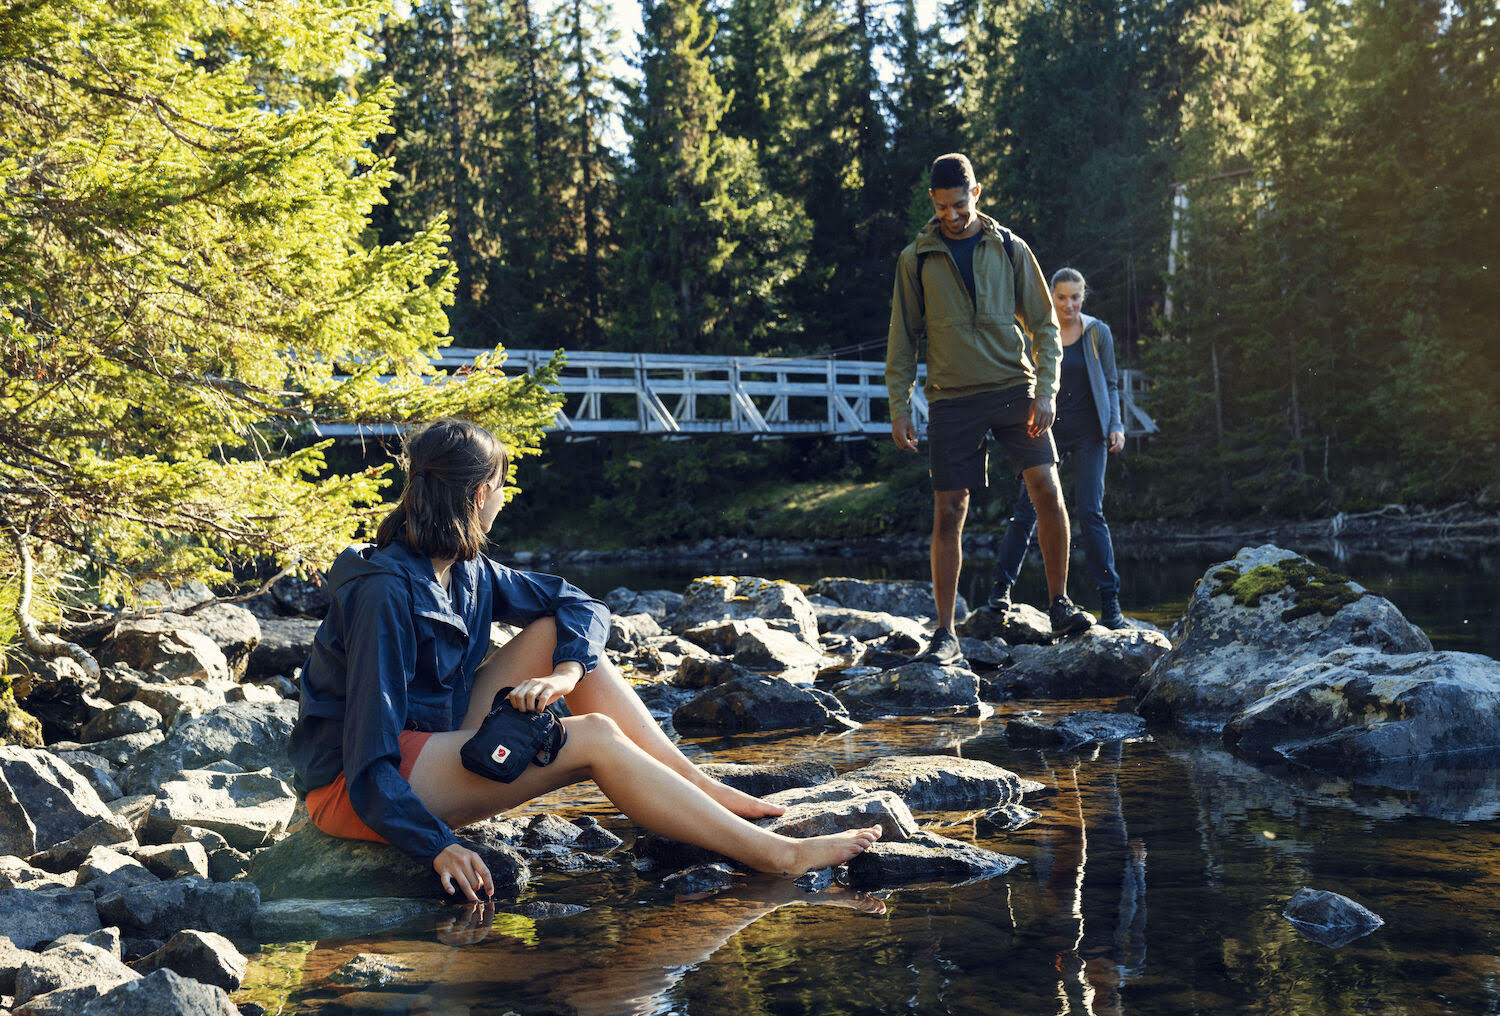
(943, 650)
(1110, 615)
(1067, 617)
(1000, 596)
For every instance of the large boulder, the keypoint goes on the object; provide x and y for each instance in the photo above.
(162, 646)
(1355, 709)
(285, 643)
(162, 991)
(734, 598)
(310, 864)
(125, 718)
(696, 672)
(69, 966)
(201, 955)
(58, 802)
(765, 648)
(629, 631)
(164, 908)
(251, 735)
(903, 599)
(232, 628)
(1253, 620)
(30, 917)
(866, 625)
(756, 702)
(911, 690)
(17, 831)
(249, 810)
(659, 603)
(1097, 664)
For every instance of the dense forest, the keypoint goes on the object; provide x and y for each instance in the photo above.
(1323, 344)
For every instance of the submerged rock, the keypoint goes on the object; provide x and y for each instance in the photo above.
(926, 857)
(820, 818)
(1356, 709)
(299, 920)
(1253, 619)
(1075, 729)
(703, 878)
(1006, 819)
(1328, 918)
(755, 703)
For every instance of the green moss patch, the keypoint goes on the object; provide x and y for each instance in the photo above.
(1312, 588)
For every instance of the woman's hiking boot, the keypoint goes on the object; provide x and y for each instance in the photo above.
(1109, 614)
(943, 650)
(1067, 617)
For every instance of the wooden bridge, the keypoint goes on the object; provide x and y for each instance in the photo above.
(679, 396)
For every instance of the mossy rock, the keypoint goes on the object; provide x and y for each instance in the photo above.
(17, 726)
(1313, 589)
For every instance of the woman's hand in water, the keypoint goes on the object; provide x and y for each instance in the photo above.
(458, 866)
(537, 693)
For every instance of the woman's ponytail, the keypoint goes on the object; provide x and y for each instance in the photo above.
(446, 462)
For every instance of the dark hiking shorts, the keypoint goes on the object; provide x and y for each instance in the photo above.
(956, 429)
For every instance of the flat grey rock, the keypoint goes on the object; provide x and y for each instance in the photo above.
(249, 810)
(162, 991)
(200, 955)
(160, 910)
(31, 917)
(926, 858)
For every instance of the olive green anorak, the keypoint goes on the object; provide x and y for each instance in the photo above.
(973, 345)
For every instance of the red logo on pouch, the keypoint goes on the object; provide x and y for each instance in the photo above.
(500, 754)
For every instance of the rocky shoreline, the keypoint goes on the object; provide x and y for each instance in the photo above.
(150, 835)
(1393, 529)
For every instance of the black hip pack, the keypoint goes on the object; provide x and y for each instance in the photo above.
(509, 740)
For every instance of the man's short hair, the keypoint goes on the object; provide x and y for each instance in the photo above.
(951, 170)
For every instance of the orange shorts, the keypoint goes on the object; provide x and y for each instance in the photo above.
(329, 806)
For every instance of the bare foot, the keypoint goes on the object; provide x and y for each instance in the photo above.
(739, 802)
(828, 851)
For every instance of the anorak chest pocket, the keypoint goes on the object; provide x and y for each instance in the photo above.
(442, 646)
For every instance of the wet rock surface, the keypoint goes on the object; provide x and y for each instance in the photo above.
(912, 689)
(1360, 709)
(1329, 918)
(1075, 729)
(757, 702)
(924, 858)
(1096, 664)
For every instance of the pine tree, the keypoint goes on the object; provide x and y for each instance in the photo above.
(188, 284)
(706, 247)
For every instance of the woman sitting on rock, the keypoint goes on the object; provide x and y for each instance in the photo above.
(394, 689)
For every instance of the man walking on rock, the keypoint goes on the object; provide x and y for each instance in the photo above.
(965, 282)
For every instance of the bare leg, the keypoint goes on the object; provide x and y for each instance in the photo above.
(602, 690)
(647, 791)
(949, 508)
(1051, 526)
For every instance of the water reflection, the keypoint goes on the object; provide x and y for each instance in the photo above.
(1156, 878)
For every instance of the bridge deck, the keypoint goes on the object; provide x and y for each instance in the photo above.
(679, 396)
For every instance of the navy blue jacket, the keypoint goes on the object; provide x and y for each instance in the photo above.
(395, 653)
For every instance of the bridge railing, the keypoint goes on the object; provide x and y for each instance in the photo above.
(680, 396)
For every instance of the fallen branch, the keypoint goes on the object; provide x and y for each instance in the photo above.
(44, 645)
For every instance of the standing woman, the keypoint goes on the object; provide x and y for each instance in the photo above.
(1087, 428)
(394, 688)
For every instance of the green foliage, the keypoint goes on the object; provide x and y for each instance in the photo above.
(706, 246)
(187, 285)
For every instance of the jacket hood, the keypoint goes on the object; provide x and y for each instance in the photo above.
(361, 560)
(929, 237)
(1088, 320)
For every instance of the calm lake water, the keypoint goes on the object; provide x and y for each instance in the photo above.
(1153, 884)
